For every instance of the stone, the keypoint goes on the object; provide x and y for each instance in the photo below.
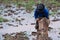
(54, 20)
(6, 11)
(5, 14)
(8, 6)
(18, 16)
(12, 11)
(28, 11)
(49, 38)
(10, 24)
(59, 33)
(5, 20)
(22, 8)
(9, 14)
(26, 24)
(22, 19)
(16, 25)
(17, 9)
(24, 13)
(1, 27)
(12, 20)
(32, 23)
(15, 13)
(49, 28)
(12, 33)
(1, 24)
(18, 36)
(20, 24)
(17, 19)
(34, 33)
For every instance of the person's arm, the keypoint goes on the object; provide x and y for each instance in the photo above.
(36, 14)
(47, 13)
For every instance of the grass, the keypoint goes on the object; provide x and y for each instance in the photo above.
(3, 19)
(52, 13)
(30, 3)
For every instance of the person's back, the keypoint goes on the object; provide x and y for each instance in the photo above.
(40, 12)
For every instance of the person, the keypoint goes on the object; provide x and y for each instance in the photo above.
(40, 12)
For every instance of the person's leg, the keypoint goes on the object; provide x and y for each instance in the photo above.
(37, 25)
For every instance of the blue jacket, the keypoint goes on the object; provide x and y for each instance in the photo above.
(46, 13)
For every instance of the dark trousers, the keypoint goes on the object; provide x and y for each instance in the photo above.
(37, 25)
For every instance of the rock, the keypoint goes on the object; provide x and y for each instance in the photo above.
(8, 37)
(24, 13)
(59, 33)
(33, 39)
(34, 33)
(20, 24)
(21, 33)
(54, 20)
(26, 24)
(12, 20)
(17, 9)
(5, 20)
(19, 5)
(17, 19)
(22, 8)
(58, 36)
(12, 33)
(21, 36)
(8, 6)
(5, 11)
(15, 13)
(49, 28)
(18, 36)
(1, 24)
(11, 11)
(10, 24)
(49, 38)
(1, 27)
(9, 14)
(28, 11)
(22, 19)
(16, 26)
(5, 14)
(18, 16)
(32, 23)
(5, 35)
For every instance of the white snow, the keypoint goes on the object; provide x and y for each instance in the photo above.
(29, 28)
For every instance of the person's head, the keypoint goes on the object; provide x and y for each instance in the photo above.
(40, 7)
